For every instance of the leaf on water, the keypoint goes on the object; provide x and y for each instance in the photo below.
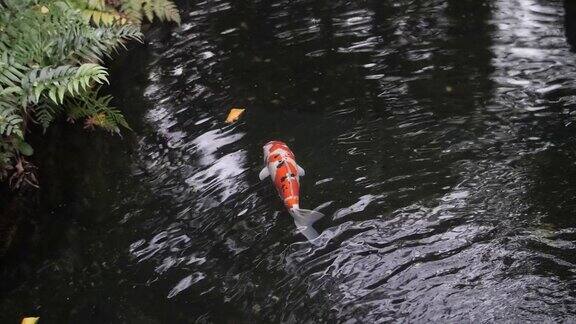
(234, 114)
(30, 320)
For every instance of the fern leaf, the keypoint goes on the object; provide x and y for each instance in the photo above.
(96, 111)
(65, 79)
(97, 4)
(10, 122)
(148, 9)
(45, 113)
(11, 72)
(133, 10)
(165, 10)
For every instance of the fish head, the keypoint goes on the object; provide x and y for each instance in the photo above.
(268, 147)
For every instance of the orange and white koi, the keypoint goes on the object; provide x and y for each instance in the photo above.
(280, 165)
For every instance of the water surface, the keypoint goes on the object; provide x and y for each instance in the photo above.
(438, 136)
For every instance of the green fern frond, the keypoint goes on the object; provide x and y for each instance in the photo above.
(96, 4)
(11, 71)
(49, 50)
(17, 4)
(148, 9)
(100, 42)
(133, 10)
(45, 113)
(65, 79)
(98, 17)
(10, 122)
(136, 10)
(165, 10)
(96, 111)
(96, 11)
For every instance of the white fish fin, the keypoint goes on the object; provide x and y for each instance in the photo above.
(309, 232)
(301, 171)
(265, 173)
(303, 219)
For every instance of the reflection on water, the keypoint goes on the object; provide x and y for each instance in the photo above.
(437, 136)
(570, 23)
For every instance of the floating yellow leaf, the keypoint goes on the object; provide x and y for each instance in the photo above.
(30, 320)
(234, 114)
(44, 10)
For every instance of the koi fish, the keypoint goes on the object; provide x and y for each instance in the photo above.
(280, 165)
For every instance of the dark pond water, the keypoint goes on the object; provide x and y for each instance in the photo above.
(438, 135)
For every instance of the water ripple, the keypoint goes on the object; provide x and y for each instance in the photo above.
(437, 137)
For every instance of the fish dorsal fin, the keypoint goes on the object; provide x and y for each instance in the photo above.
(301, 171)
(264, 173)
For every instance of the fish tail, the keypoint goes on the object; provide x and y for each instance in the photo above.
(303, 219)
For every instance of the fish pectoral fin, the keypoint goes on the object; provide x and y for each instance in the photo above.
(264, 174)
(301, 171)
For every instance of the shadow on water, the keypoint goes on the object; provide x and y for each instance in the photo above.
(437, 135)
(570, 22)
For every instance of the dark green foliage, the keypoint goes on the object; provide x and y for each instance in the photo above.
(49, 65)
(136, 10)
